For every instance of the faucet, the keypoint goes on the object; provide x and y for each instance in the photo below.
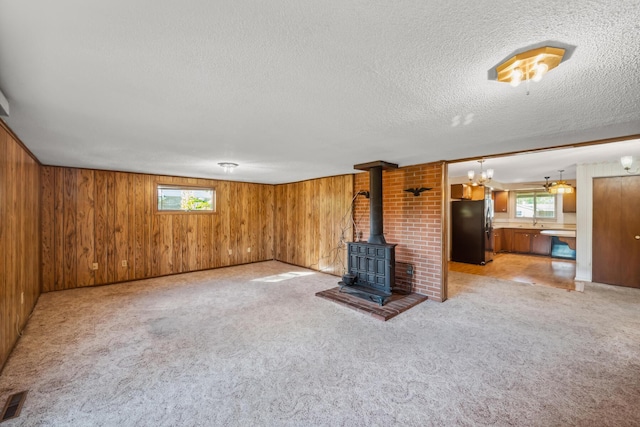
(535, 221)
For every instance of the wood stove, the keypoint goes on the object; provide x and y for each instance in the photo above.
(371, 265)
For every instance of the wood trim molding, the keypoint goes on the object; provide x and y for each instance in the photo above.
(6, 127)
(444, 219)
(554, 147)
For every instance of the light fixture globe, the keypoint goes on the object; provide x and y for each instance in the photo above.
(484, 177)
(529, 65)
(626, 162)
(560, 187)
(228, 166)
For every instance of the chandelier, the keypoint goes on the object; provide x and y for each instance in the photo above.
(484, 176)
(559, 187)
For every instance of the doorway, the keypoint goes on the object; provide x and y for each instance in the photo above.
(528, 172)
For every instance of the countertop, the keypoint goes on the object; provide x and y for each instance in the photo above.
(559, 233)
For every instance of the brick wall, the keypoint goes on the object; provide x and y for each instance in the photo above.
(413, 223)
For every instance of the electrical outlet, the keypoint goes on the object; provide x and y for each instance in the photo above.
(230, 252)
(94, 266)
(248, 249)
(22, 298)
(124, 262)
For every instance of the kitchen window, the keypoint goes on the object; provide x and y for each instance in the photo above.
(535, 205)
(173, 198)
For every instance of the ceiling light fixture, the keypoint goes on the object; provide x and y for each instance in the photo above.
(627, 162)
(483, 178)
(530, 65)
(559, 187)
(228, 166)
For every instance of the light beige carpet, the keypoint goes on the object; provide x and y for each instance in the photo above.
(222, 348)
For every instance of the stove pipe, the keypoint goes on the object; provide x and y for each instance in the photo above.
(375, 198)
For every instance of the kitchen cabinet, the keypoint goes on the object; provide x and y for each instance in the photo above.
(461, 191)
(497, 241)
(507, 239)
(501, 201)
(524, 241)
(521, 242)
(540, 244)
(467, 192)
(569, 202)
(478, 192)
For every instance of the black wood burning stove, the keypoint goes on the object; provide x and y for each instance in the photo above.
(372, 270)
(371, 265)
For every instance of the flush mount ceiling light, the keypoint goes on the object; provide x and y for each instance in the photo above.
(530, 65)
(228, 166)
(559, 187)
(483, 178)
(627, 162)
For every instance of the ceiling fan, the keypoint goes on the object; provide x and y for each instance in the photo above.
(547, 184)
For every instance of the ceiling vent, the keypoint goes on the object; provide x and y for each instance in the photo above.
(4, 105)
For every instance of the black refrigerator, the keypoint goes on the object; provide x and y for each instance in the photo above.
(471, 231)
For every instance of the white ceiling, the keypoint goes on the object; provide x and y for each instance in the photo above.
(296, 89)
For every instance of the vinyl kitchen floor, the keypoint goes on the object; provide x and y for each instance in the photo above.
(531, 269)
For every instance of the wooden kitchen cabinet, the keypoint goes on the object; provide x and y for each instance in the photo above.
(540, 244)
(497, 241)
(521, 242)
(569, 202)
(526, 241)
(461, 191)
(501, 201)
(467, 192)
(507, 239)
(478, 192)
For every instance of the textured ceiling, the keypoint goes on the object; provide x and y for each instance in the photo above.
(297, 89)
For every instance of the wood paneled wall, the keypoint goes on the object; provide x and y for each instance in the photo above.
(91, 216)
(415, 224)
(19, 239)
(312, 223)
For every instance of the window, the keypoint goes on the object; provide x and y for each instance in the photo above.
(172, 198)
(535, 205)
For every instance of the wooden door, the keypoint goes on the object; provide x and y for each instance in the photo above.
(616, 231)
